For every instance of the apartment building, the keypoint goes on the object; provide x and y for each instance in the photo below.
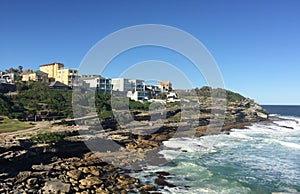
(68, 77)
(52, 69)
(125, 85)
(121, 84)
(57, 72)
(97, 82)
(137, 85)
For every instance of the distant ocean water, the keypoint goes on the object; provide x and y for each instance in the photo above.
(264, 158)
(284, 110)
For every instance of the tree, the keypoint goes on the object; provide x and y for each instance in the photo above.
(11, 70)
(20, 69)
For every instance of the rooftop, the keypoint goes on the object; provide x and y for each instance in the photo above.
(52, 64)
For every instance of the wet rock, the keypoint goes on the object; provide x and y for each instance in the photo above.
(162, 173)
(160, 181)
(146, 188)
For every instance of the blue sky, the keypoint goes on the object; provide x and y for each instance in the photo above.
(256, 43)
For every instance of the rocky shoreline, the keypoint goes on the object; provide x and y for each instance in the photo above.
(71, 166)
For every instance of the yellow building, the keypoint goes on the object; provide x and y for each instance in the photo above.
(52, 69)
(57, 72)
(35, 76)
(67, 76)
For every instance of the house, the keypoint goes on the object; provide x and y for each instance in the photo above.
(59, 85)
(172, 97)
(2, 80)
(152, 91)
(136, 95)
(166, 85)
(57, 72)
(39, 76)
(10, 77)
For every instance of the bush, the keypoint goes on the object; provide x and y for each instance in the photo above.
(206, 92)
(105, 114)
(175, 118)
(48, 137)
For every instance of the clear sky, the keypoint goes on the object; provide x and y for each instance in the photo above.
(256, 43)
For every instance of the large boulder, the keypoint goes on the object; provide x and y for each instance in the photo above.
(56, 186)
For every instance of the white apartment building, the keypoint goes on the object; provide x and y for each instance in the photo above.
(137, 85)
(121, 84)
(125, 85)
(101, 84)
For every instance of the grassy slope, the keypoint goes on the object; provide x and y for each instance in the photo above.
(10, 125)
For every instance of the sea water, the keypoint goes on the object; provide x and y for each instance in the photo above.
(265, 158)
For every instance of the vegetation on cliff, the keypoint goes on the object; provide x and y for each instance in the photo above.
(33, 100)
(207, 91)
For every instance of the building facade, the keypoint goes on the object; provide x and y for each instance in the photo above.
(10, 77)
(121, 84)
(137, 85)
(52, 69)
(39, 76)
(57, 72)
(2, 80)
(137, 95)
(68, 77)
(104, 85)
(166, 85)
(97, 82)
(125, 85)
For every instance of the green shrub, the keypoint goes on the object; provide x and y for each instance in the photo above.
(175, 118)
(48, 137)
(105, 114)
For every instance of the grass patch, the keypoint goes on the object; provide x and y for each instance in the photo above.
(175, 118)
(10, 125)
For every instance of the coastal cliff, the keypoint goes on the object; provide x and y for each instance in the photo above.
(67, 165)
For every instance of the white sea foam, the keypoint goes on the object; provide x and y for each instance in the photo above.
(189, 144)
(288, 144)
(261, 152)
(241, 136)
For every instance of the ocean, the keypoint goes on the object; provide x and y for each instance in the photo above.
(265, 158)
